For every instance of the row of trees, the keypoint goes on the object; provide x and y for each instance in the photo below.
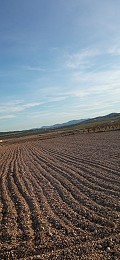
(102, 128)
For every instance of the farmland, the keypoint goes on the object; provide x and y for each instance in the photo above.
(60, 197)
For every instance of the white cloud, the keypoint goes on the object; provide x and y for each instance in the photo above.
(30, 68)
(81, 58)
(7, 117)
(114, 50)
(15, 107)
(99, 81)
(79, 93)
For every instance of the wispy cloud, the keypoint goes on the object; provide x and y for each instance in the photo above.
(15, 107)
(19, 106)
(7, 117)
(114, 50)
(82, 58)
(86, 58)
(99, 85)
(31, 68)
(108, 78)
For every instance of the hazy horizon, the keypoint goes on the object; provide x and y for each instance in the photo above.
(58, 123)
(59, 61)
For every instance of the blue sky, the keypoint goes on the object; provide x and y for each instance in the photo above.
(59, 60)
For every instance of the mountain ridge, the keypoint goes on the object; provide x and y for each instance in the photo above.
(68, 124)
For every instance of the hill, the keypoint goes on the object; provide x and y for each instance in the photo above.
(69, 123)
(102, 123)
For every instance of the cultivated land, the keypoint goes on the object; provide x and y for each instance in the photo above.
(60, 197)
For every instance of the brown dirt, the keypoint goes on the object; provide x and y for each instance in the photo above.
(60, 198)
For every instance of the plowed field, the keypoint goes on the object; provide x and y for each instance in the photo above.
(60, 197)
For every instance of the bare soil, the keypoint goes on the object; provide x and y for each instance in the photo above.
(60, 198)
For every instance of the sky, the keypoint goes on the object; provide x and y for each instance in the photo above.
(59, 61)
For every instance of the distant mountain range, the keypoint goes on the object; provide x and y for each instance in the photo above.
(81, 123)
(109, 117)
(69, 123)
(112, 116)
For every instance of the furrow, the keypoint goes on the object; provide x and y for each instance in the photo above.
(9, 227)
(23, 219)
(41, 179)
(101, 174)
(88, 179)
(71, 199)
(86, 190)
